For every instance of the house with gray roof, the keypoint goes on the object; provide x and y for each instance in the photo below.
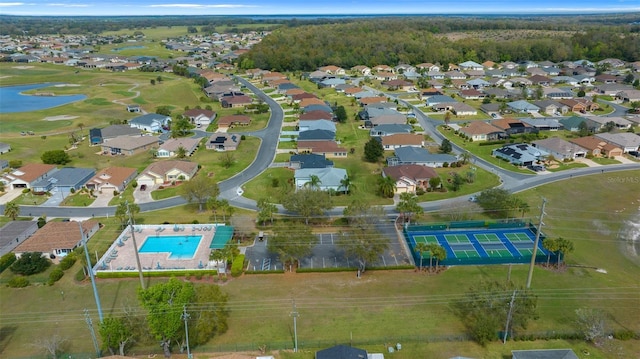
(316, 125)
(341, 352)
(419, 156)
(618, 122)
(129, 145)
(522, 106)
(470, 65)
(4, 147)
(316, 135)
(626, 140)
(543, 123)
(309, 160)
(478, 83)
(389, 129)
(439, 99)
(15, 232)
(329, 178)
(151, 122)
(520, 154)
(560, 149)
(317, 107)
(572, 123)
(544, 354)
(64, 180)
(114, 131)
(332, 82)
(170, 147)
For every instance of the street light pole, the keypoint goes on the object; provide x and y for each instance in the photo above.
(185, 317)
(90, 270)
(135, 246)
(294, 314)
(535, 245)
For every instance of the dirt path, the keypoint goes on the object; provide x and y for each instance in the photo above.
(137, 94)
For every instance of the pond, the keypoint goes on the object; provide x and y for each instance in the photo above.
(13, 100)
(128, 48)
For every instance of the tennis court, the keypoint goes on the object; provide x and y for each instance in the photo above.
(478, 245)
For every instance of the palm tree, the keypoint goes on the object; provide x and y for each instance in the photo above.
(524, 207)
(314, 182)
(346, 184)
(12, 210)
(181, 152)
(439, 253)
(217, 255)
(465, 157)
(551, 245)
(214, 205)
(387, 186)
(565, 246)
(421, 248)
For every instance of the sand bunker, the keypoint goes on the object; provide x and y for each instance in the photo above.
(59, 118)
(22, 67)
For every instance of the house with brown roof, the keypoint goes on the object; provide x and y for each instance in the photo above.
(482, 131)
(597, 147)
(296, 98)
(235, 101)
(411, 177)
(512, 126)
(170, 147)
(222, 141)
(332, 70)
(361, 70)
(579, 106)
(111, 178)
(231, 121)
(398, 140)
(57, 239)
(398, 85)
(352, 91)
(311, 101)
(167, 172)
(316, 115)
(27, 175)
(330, 149)
(129, 145)
(200, 117)
(371, 100)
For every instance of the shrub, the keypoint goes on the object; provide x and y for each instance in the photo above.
(72, 190)
(115, 193)
(80, 275)
(68, 261)
(41, 222)
(6, 261)
(134, 184)
(445, 165)
(237, 265)
(625, 334)
(18, 282)
(55, 276)
(26, 190)
(30, 263)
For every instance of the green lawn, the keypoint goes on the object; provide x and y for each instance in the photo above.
(78, 199)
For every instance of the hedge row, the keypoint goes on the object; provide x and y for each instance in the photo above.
(237, 266)
(175, 273)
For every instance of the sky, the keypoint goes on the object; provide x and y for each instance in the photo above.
(301, 7)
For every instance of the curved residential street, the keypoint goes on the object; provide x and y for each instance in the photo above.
(230, 189)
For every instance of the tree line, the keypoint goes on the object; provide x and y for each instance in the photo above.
(392, 41)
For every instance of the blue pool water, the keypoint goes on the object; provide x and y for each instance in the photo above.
(12, 100)
(178, 247)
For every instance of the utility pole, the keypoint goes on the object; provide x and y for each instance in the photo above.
(93, 333)
(135, 246)
(294, 314)
(185, 317)
(506, 327)
(90, 270)
(535, 244)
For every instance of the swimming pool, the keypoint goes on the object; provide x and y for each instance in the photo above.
(178, 247)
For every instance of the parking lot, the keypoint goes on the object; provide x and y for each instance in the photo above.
(327, 254)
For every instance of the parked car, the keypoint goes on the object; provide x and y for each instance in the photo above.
(536, 168)
(634, 154)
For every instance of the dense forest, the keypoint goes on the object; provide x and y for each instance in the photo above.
(392, 41)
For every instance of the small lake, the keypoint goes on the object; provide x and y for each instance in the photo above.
(13, 100)
(128, 48)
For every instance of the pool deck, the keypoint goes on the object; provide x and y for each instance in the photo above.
(121, 256)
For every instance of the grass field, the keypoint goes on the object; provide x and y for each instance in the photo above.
(382, 306)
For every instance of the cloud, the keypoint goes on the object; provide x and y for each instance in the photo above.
(201, 6)
(12, 3)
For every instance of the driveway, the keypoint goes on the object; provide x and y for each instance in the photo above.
(102, 199)
(140, 196)
(10, 195)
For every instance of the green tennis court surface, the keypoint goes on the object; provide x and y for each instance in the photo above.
(470, 253)
(526, 251)
(457, 238)
(487, 238)
(426, 239)
(499, 253)
(517, 237)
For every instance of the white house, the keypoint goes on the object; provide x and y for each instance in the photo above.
(152, 122)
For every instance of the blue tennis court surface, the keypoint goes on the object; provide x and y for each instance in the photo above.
(478, 245)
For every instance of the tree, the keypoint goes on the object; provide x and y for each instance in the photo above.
(373, 150)
(583, 129)
(122, 212)
(227, 159)
(551, 245)
(581, 93)
(152, 82)
(445, 146)
(346, 185)
(199, 189)
(163, 110)
(266, 211)
(211, 315)
(180, 127)
(12, 210)
(434, 182)
(366, 245)
(181, 152)
(341, 114)
(387, 186)
(226, 209)
(292, 242)
(30, 263)
(51, 345)
(314, 182)
(422, 248)
(55, 157)
(565, 247)
(408, 206)
(465, 157)
(115, 334)
(495, 201)
(447, 118)
(80, 126)
(243, 226)
(439, 253)
(308, 203)
(592, 324)
(159, 79)
(164, 303)
(361, 214)
(484, 309)
(456, 181)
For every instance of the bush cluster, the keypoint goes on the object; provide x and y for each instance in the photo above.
(30, 263)
(68, 261)
(237, 266)
(6, 261)
(18, 282)
(55, 276)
